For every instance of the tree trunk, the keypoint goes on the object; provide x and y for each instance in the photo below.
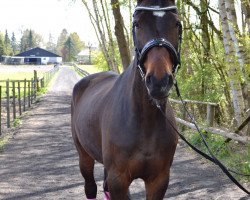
(241, 51)
(120, 35)
(237, 96)
(245, 4)
(111, 41)
(205, 40)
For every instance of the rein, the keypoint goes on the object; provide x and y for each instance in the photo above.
(163, 42)
(210, 157)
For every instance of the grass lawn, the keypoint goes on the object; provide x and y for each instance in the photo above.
(19, 75)
(20, 72)
(90, 68)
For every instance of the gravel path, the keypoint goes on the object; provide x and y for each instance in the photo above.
(41, 162)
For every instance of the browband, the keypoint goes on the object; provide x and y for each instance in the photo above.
(155, 8)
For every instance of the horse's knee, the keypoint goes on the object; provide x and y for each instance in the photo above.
(118, 186)
(156, 189)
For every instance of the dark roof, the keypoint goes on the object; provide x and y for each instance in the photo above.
(37, 52)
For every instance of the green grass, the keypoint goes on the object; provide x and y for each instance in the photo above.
(17, 122)
(19, 75)
(90, 68)
(3, 142)
(234, 155)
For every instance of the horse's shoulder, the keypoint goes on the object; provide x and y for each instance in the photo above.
(92, 79)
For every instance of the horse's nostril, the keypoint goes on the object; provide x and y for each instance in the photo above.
(171, 79)
(167, 80)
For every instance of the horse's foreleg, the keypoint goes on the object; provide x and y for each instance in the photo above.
(118, 185)
(105, 186)
(86, 164)
(156, 188)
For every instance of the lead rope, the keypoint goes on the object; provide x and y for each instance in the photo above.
(210, 157)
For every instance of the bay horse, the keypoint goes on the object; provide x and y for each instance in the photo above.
(116, 119)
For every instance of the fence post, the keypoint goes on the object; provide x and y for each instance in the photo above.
(14, 99)
(24, 94)
(8, 102)
(19, 98)
(0, 110)
(42, 82)
(36, 82)
(29, 93)
(210, 115)
(31, 90)
(184, 115)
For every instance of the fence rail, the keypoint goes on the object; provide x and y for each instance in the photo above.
(80, 71)
(209, 115)
(18, 95)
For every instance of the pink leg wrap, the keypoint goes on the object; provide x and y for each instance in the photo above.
(91, 199)
(107, 196)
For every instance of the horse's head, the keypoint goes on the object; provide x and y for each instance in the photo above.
(157, 33)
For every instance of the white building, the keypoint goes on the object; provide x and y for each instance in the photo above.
(36, 56)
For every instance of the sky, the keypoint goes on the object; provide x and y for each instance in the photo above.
(45, 17)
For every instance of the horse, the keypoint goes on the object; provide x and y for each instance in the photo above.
(126, 121)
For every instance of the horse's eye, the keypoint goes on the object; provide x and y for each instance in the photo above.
(136, 24)
(178, 24)
(174, 11)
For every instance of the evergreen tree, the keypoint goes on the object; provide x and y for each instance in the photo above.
(51, 46)
(29, 40)
(14, 44)
(1, 45)
(70, 49)
(7, 44)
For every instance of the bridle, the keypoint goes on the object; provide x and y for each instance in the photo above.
(158, 42)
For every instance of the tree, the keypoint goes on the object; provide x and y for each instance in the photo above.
(7, 45)
(29, 40)
(1, 45)
(237, 96)
(123, 44)
(72, 47)
(245, 5)
(78, 44)
(70, 50)
(50, 45)
(14, 44)
(100, 19)
(60, 43)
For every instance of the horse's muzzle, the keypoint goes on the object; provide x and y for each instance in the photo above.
(159, 89)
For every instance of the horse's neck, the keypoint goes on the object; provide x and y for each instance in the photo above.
(138, 93)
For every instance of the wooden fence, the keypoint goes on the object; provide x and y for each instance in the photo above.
(208, 111)
(80, 71)
(18, 95)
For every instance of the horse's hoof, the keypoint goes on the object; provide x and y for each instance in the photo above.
(107, 196)
(91, 199)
